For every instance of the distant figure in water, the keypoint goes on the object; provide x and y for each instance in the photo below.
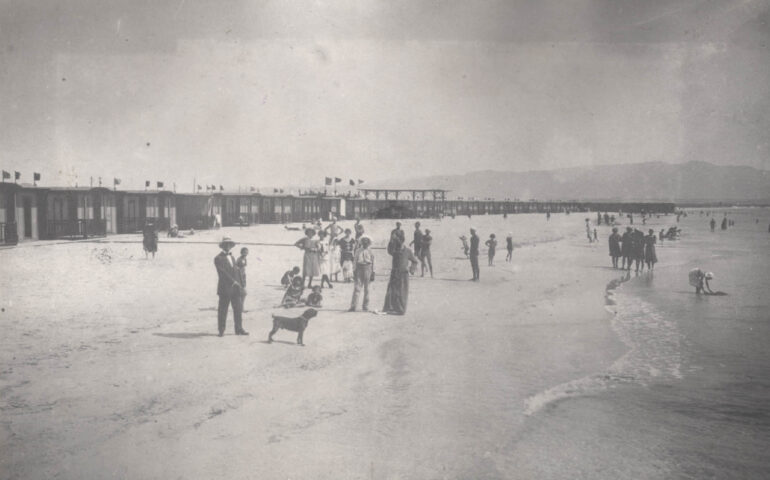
(713, 224)
(615, 251)
(724, 222)
(596, 237)
(662, 234)
(509, 247)
(547, 216)
(700, 281)
(626, 248)
(638, 246)
(491, 247)
(650, 258)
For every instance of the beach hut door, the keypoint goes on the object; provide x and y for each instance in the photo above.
(27, 202)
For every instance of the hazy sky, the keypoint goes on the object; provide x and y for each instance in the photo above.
(278, 92)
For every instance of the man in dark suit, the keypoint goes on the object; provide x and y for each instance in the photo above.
(474, 255)
(229, 287)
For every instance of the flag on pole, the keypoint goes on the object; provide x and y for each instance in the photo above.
(275, 190)
(360, 181)
(116, 181)
(16, 175)
(352, 183)
(36, 176)
(201, 188)
(328, 181)
(160, 184)
(337, 180)
(146, 183)
(6, 175)
(221, 188)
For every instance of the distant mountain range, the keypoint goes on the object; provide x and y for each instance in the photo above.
(652, 181)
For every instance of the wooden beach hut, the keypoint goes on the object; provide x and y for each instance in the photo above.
(196, 210)
(22, 213)
(80, 212)
(137, 207)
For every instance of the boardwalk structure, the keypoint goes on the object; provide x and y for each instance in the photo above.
(29, 212)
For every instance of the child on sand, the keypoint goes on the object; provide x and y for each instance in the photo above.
(347, 250)
(509, 247)
(293, 295)
(425, 257)
(315, 298)
(335, 259)
(492, 245)
(289, 276)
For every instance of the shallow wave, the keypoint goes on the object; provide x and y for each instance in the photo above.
(654, 351)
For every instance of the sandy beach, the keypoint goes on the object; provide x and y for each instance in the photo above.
(111, 366)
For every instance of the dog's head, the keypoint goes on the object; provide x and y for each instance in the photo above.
(309, 313)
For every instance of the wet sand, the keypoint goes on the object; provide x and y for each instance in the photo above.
(111, 366)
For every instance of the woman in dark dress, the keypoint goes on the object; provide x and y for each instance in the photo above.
(615, 251)
(404, 261)
(649, 250)
(150, 239)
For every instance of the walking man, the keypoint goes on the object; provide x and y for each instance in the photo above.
(474, 255)
(363, 273)
(229, 288)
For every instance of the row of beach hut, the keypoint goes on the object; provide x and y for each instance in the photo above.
(29, 212)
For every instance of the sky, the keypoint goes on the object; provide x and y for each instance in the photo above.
(268, 93)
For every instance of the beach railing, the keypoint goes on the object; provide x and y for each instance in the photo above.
(79, 228)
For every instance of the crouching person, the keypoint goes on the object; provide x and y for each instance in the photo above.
(363, 273)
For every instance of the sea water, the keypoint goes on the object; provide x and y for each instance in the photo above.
(691, 397)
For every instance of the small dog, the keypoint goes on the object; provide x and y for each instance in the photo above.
(295, 324)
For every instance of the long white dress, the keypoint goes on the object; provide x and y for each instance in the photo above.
(323, 252)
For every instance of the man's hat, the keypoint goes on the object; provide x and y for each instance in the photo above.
(226, 240)
(709, 275)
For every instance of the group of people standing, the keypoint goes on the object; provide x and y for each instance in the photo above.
(634, 247)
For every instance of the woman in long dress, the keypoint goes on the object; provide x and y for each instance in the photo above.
(324, 258)
(404, 261)
(149, 239)
(649, 250)
(310, 262)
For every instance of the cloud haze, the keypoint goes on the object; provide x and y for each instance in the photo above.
(271, 93)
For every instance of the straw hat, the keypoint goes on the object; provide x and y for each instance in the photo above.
(225, 241)
(709, 275)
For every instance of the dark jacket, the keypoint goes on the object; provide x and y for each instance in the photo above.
(228, 275)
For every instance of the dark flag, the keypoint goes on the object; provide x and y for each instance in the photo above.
(116, 181)
(352, 183)
(160, 184)
(328, 181)
(36, 177)
(16, 175)
(6, 175)
(201, 188)
(252, 189)
(146, 183)
(337, 180)
(360, 181)
(213, 187)
(281, 190)
(275, 190)
(221, 188)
